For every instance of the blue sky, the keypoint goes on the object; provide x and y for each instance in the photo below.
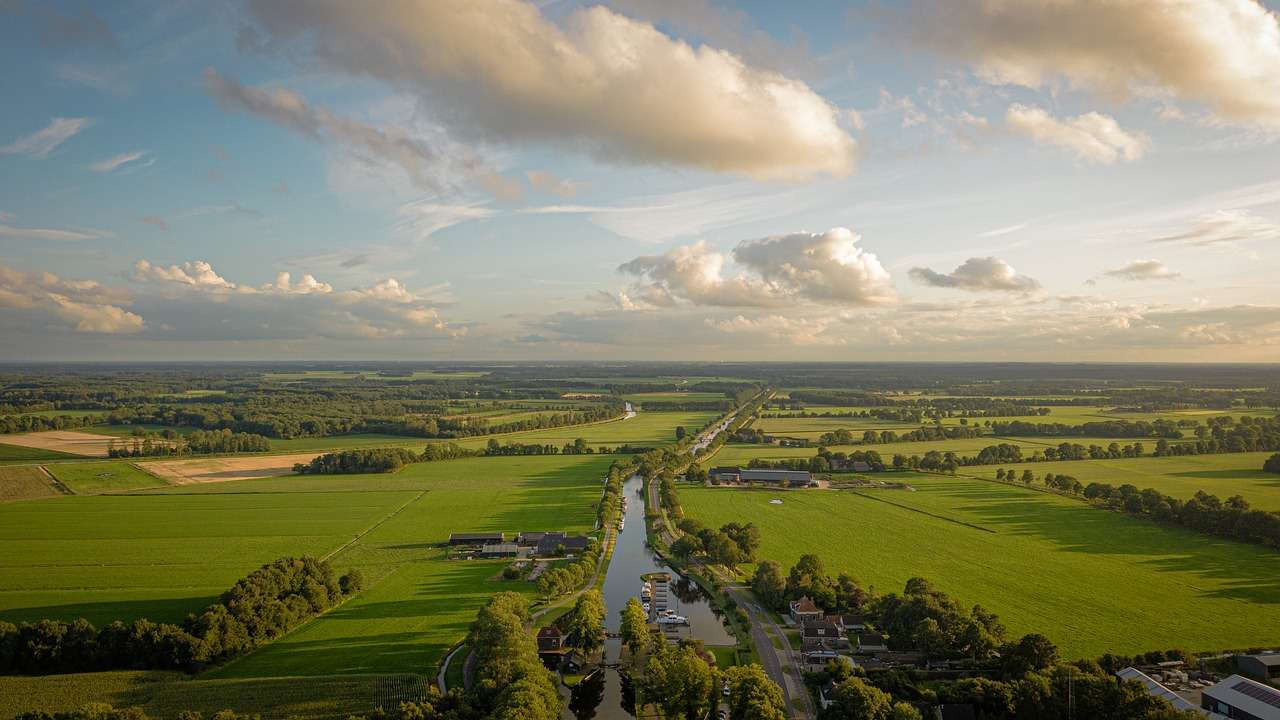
(640, 179)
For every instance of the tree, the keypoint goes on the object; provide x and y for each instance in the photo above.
(1272, 464)
(768, 584)
(680, 433)
(680, 681)
(686, 546)
(1031, 653)
(635, 627)
(586, 622)
(753, 696)
(855, 699)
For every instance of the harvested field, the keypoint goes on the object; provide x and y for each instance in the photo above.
(185, 472)
(25, 483)
(64, 441)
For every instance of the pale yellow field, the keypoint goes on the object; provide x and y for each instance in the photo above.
(66, 441)
(184, 472)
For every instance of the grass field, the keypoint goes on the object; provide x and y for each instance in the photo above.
(676, 397)
(646, 428)
(92, 478)
(420, 603)
(1093, 581)
(24, 483)
(14, 454)
(165, 694)
(1222, 475)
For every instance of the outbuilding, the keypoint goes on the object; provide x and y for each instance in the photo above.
(1240, 697)
(476, 538)
(1260, 667)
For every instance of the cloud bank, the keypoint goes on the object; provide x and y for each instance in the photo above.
(84, 306)
(613, 85)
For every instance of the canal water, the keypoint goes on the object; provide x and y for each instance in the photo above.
(607, 693)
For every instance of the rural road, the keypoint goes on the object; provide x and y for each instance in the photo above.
(774, 659)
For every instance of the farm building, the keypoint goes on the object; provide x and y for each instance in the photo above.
(869, 642)
(1240, 697)
(1260, 667)
(550, 544)
(456, 539)
(1155, 688)
(794, 478)
(804, 609)
(499, 550)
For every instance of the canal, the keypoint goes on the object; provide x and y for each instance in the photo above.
(607, 694)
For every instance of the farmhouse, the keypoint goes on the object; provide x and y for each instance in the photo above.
(457, 539)
(499, 550)
(847, 623)
(804, 609)
(822, 635)
(1260, 667)
(1240, 697)
(550, 544)
(550, 639)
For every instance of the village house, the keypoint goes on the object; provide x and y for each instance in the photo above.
(822, 635)
(550, 639)
(804, 609)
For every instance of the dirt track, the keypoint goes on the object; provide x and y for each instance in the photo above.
(184, 472)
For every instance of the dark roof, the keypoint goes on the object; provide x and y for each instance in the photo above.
(821, 630)
(550, 631)
(804, 605)
(1270, 659)
(955, 712)
(724, 470)
(776, 475)
(571, 543)
(868, 638)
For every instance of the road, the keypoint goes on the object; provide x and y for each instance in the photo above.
(774, 659)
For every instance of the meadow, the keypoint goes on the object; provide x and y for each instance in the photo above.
(1093, 581)
(16, 454)
(92, 478)
(1223, 475)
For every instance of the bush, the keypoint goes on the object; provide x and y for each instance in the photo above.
(1272, 464)
(352, 582)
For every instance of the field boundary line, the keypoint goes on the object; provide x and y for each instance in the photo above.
(924, 512)
(374, 526)
(57, 484)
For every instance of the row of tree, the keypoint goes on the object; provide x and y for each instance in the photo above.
(358, 460)
(197, 442)
(1205, 513)
(261, 606)
(39, 423)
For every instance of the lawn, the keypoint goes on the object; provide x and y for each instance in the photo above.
(92, 478)
(1222, 475)
(1092, 580)
(120, 557)
(419, 603)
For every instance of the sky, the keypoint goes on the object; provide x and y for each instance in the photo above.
(1040, 180)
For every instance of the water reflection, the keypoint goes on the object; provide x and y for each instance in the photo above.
(607, 694)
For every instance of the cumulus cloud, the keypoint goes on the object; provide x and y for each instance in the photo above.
(1092, 137)
(1222, 53)
(195, 300)
(606, 82)
(81, 305)
(44, 141)
(985, 274)
(1143, 270)
(779, 329)
(825, 268)
(1223, 227)
(118, 161)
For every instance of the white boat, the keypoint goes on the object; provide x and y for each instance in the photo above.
(645, 606)
(667, 617)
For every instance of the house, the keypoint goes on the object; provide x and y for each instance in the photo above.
(725, 474)
(822, 635)
(1259, 667)
(847, 623)
(1240, 697)
(499, 550)
(953, 711)
(804, 609)
(816, 660)
(869, 642)
(1155, 688)
(456, 539)
(530, 539)
(550, 639)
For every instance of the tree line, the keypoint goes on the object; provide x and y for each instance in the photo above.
(259, 607)
(197, 442)
(39, 423)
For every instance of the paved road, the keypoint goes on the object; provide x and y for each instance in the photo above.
(774, 660)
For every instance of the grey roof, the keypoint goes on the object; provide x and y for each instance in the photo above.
(511, 548)
(1239, 692)
(1156, 689)
(775, 475)
(1268, 659)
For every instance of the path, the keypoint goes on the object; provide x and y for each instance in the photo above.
(444, 668)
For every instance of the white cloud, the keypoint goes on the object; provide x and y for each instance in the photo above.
(1143, 270)
(44, 141)
(985, 274)
(306, 286)
(610, 84)
(1223, 53)
(1092, 137)
(779, 329)
(114, 163)
(52, 234)
(825, 268)
(196, 273)
(81, 305)
(420, 219)
(1223, 227)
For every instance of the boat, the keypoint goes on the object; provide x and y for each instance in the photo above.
(646, 606)
(668, 617)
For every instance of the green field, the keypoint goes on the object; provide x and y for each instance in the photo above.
(1092, 580)
(13, 454)
(60, 413)
(91, 478)
(1222, 475)
(166, 694)
(646, 429)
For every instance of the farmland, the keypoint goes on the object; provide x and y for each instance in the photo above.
(24, 483)
(1091, 580)
(91, 478)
